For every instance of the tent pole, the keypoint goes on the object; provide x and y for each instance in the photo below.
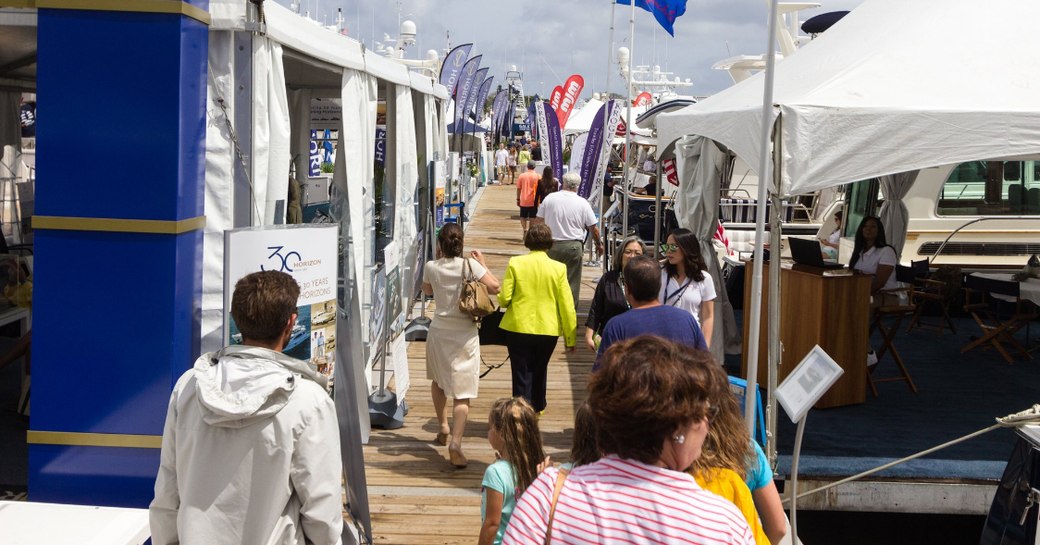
(755, 322)
(628, 118)
(606, 116)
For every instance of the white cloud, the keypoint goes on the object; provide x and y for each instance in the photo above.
(551, 39)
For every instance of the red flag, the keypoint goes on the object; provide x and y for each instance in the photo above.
(571, 92)
(644, 98)
(554, 99)
(720, 235)
(670, 174)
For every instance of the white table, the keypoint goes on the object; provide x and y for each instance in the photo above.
(24, 522)
(1028, 290)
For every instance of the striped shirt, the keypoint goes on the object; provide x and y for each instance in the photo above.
(624, 501)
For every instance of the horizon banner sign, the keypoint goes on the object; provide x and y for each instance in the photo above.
(452, 67)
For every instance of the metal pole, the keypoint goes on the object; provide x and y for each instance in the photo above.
(628, 118)
(657, 206)
(755, 322)
(606, 116)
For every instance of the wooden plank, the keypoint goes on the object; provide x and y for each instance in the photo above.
(424, 500)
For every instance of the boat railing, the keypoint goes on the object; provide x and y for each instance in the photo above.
(938, 251)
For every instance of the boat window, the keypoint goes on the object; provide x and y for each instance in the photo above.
(863, 200)
(991, 188)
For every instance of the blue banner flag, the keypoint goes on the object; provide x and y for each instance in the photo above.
(555, 139)
(665, 11)
(452, 67)
(482, 95)
(469, 72)
(474, 92)
(498, 109)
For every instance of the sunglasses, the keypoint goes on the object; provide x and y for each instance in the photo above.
(669, 248)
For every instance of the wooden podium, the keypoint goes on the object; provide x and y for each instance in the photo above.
(827, 307)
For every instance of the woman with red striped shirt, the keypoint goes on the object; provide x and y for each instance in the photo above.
(650, 401)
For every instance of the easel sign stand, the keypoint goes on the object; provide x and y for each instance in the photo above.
(813, 376)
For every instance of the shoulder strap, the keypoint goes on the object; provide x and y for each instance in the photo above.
(467, 270)
(552, 507)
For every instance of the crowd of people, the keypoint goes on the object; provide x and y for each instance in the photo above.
(250, 450)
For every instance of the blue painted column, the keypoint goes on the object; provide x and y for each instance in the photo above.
(118, 240)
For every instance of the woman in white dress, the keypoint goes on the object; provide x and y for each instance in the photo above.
(685, 282)
(452, 345)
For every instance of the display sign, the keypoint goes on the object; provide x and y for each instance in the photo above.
(399, 361)
(314, 157)
(380, 144)
(309, 254)
(440, 182)
(326, 113)
(813, 376)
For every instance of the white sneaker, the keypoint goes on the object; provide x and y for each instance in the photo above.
(871, 358)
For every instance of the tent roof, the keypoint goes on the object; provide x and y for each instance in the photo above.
(581, 120)
(892, 87)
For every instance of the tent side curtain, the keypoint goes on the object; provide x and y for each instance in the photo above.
(270, 178)
(407, 180)
(219, 183)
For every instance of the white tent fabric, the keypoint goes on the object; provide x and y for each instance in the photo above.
(407, 180)
(580, 121)
(300, 106)
(218, 199)
(359, 113)
(894, 214)
(270, 177)
(894, 86)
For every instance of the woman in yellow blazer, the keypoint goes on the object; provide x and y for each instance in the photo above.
(539, 309)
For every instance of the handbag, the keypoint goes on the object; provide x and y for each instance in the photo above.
(552, 506)
(473, 295)
(490, 331)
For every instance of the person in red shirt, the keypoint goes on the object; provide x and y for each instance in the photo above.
(526, 186)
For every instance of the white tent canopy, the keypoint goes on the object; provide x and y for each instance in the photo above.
(893, 87)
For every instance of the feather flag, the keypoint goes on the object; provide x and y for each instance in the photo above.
(665, 11)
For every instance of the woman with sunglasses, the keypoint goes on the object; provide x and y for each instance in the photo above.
(609, 299)
(685, 282)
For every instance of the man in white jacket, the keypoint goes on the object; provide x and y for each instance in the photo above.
(250, 452)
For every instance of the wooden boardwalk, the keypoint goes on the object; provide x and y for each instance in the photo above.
(415, 495)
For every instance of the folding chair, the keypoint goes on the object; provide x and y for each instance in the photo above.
(982, 298)
(901, 306)
(937, 291)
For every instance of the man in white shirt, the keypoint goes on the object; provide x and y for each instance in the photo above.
(501, 158)
(569, 217)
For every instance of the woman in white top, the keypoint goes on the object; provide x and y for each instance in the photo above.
(452, 345)
(872, 255)
(829, 243)
(685, 282)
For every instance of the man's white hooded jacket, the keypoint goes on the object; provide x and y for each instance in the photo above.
(250, 454)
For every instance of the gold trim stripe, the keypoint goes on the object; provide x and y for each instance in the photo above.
(112, 225)
(18, 4)
(175, 7)
(77, 439)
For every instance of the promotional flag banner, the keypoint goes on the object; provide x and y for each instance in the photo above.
(555, 140)
(665, 11)
(597, 152)
(577, 151)
(482, 95)
(643, 99)
(471, 98)
(571, 91)
(469, 72)
(498, 111)
(532, 125)
(543, 128)
(555, 97)
(452, 67)
(589, 157)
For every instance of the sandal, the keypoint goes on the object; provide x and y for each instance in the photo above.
(455, 455)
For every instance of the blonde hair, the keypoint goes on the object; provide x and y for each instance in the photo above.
(728, 444)
(517, 424)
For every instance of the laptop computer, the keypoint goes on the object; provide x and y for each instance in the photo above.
(807, 252)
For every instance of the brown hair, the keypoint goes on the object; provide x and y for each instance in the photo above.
(517, 424)
(693, 261)
(647, 389)
(584, 448)
(449, 239)
(642, 278)
(538, 237)
(728, 444)
(262, 304)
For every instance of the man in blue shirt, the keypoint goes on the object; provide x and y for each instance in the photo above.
(642, 279)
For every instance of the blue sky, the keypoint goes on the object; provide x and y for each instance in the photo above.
(550, 39)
